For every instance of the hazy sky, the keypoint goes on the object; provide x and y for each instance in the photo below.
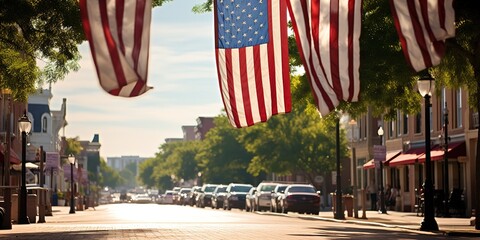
(182, 72)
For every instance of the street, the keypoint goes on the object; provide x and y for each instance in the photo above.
(152, 221)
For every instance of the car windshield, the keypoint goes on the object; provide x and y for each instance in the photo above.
(267, 188)
(210, 189)
(221, 189)
(297, 189)
(185, 190)
(281, 188)
(240, 188)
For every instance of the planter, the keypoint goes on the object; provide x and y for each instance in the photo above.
(61, 202)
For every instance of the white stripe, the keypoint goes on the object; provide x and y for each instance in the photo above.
(324, 39)
(449, 19)
(356, 48)
(267, 93)
(222, 69)
(144, 51)
(277, 48)
(251, 84)
(343, 59)
(237, 86)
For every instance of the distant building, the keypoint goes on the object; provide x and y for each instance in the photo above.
(120, 163)
(188, 133)
(168, 140)
(204, 124)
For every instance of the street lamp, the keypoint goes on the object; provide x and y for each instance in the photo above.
(71, 159)
(428, 223)
(339, 214)
(383, 210)
(445, 167)
(24, 125)
(352, 124)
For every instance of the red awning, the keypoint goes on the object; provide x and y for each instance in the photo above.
(409, 157)
(454, 151)
(13, 157)
(371, 164)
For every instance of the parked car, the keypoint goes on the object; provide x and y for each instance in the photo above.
(167, 197)
(250, 200)
(193, 195)
(277, 193)
(204, 198)
(175, 194)
(218, 196)
(141, 198)
(263, 195)
(301, 198)
(236, 195)
(183, 196)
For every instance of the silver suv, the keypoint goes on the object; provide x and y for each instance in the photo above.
(263, 195)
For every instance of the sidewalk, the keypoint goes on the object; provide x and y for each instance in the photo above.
(407, 220)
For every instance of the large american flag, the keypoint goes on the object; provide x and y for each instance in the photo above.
(119, 35)
(327, 33)
(252, 59)
(423, 26)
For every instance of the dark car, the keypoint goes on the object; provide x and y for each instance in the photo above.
(193, 195)
(218, 196)
(301, 198)
(277, 193)
(263, 195)
(236, 195)
(250, 200)
(204, 198)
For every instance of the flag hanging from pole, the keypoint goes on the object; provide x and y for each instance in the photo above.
(327, 34)
(119, 35)
(423, 26)
(251, 46)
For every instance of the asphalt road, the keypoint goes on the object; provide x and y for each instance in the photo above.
(152, 221)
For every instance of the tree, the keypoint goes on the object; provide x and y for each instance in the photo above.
(108, 176)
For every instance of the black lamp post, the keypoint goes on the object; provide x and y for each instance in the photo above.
(339, 214)
(383, 209)
(428, 223)
(24, 126)
(71, 159)
(445, 167)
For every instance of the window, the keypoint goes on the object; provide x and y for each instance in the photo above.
(405, 124)
(406, 186)
(44, 124)
(418, 123)
(458, 109)
(391, 129)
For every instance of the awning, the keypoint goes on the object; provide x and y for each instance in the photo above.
(454, 151)
(371, 164)
(14, 158)
(409, 157)
(28, 165)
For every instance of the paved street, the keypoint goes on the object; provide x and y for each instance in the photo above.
(152, 221)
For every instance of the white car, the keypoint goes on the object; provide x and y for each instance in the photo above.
(167, 198)
(142, 198)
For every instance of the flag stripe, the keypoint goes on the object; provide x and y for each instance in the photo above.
(257, 75)
(423, 26)
(118, 32)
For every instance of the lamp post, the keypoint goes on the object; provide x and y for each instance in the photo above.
(445, 167)
(339, 214)
(71, 159)
(24, 126)
(428, 223)
(383, 210)
(353, 123)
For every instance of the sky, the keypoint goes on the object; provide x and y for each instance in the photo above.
(182, 73)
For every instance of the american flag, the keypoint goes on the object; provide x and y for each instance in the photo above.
(423, 26)
(327, 33)
(252, 59)
(119, 35)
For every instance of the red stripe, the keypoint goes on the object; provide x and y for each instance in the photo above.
(441, 14)
(258, 84)
(437, 45)
(314, 80)
(286, 67)
(114, 57)
(334, 59)
(231, 88)
(401, 36)
(138, 89)
(120, 7)
(271, 61)
(418, 32)
(138, 31)
(247, 105)
(351, 59)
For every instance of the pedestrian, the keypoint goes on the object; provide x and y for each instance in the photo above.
(372, 191)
